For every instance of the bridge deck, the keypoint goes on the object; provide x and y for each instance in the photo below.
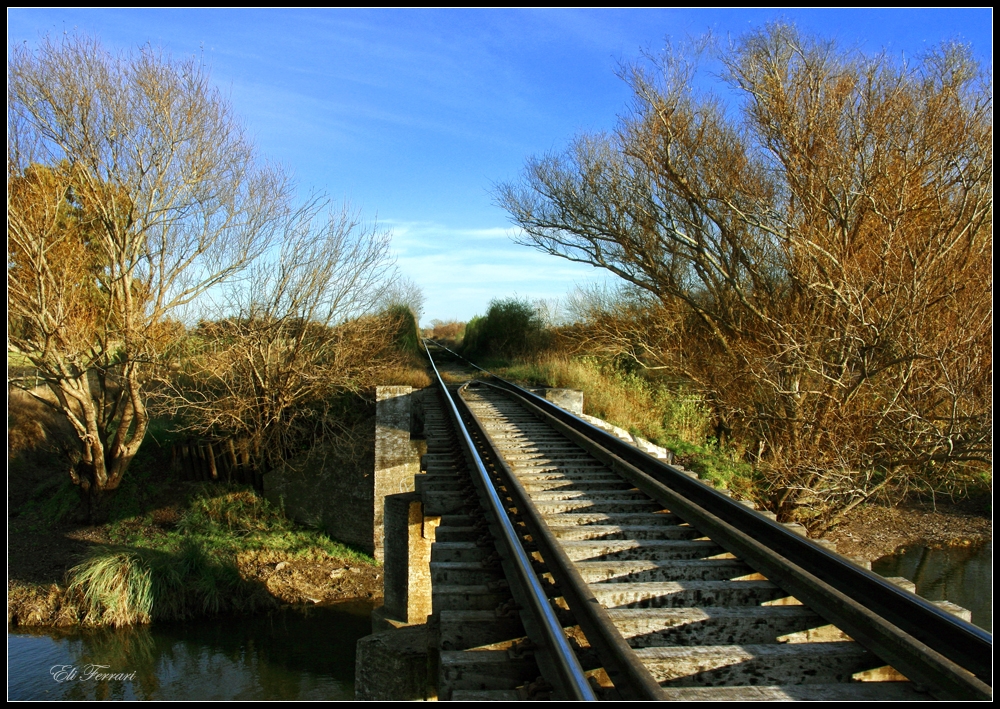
(696, 621)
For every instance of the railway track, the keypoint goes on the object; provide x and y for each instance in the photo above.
(608, 574)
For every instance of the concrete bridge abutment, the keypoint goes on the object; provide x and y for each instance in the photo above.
(341, 487)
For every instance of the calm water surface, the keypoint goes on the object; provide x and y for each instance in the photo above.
(293, 653)
(962, 575)
(308, 653)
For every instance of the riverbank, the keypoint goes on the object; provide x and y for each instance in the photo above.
(873, 531)
(207, 551)
(269, 562)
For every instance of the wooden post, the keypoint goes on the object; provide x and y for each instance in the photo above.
(210, 452)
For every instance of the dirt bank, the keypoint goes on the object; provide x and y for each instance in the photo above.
(873, 531)
(305, 581)
(38, 561)
(277, 561)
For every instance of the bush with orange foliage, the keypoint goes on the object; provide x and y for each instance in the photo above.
(816, 259)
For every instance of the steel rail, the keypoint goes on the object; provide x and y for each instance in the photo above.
(960, 646)
(627, 672)
(569, 678)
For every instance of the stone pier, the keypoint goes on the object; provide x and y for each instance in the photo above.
(397, 458)
(409, 535)
(341, 487)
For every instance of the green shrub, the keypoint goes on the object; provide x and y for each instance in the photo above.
(510, 328)
(127, 586)
(230, 520)
(407, 335)
(116, 587)
(52, 504)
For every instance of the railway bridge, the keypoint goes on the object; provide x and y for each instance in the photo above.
(541, 557)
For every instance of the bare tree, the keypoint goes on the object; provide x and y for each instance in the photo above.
(307, 329)
(823, 254)
(625, 322)
(404, 293)
(132, 190)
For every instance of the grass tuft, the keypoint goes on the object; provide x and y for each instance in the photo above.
(116, 586)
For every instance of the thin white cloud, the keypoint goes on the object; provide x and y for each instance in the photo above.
(461, 269)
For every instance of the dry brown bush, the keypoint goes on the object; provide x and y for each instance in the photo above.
(450, 331)
(272, 373)
(411, 374)
(819, 264)
(278, 387)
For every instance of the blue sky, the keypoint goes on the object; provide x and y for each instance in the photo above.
(414, 115)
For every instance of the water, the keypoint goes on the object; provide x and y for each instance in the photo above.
(293, 653)
(308, 653)
(962, 575)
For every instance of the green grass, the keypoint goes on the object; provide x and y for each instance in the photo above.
(174, 551)
(228, 521)
(190, 568)
(122, 586)
(52, 503)
(116, 586)
(57, 499)
(668, 416)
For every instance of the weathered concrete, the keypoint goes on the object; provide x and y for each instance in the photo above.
(550, 485)
(632, 571)
(341, 487)
(399, 663)
(465, 629)
(569, 399)
(394, 665)
(634, 549)
(485, 695)
(640, 443)
(768, 664)
(685, 594)
(445, 502)
(485, 670)
(650, 519)
(330, 488)
(848, 692)
(461, 551)
(602, 495)
(647, 627)
(464, 573)
(478, 597)
(409, 536)
(623, 531)
(591, 506)
(397, 460)
(595, 481)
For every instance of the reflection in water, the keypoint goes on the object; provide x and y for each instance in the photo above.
(962, 575)
(293, 653)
